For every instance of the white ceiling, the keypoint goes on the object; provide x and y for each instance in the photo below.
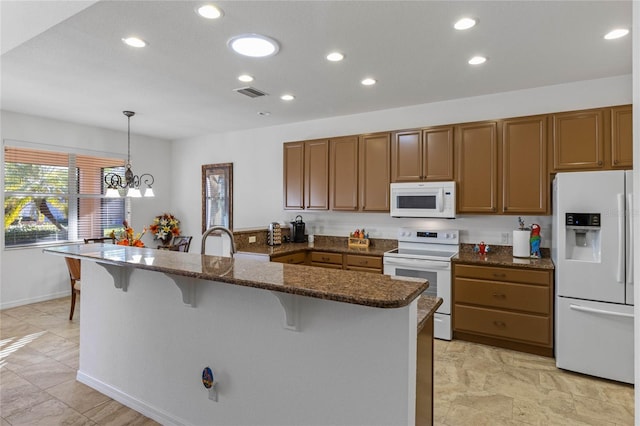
(181, 85)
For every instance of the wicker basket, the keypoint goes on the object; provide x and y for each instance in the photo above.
(358, 242)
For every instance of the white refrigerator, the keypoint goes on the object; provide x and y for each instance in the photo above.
(593, 255)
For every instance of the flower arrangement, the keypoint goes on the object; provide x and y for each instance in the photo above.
(127, 237)
(165, 227)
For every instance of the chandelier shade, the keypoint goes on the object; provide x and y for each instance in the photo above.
(130, 181)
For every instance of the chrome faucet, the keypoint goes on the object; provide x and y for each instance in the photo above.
(218, 228)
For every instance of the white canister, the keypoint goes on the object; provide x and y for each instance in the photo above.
(521, 245)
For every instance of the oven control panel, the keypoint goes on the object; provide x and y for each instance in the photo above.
(439, 236)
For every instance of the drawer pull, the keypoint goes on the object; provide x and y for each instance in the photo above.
(325, 259)
(499, 295)
(502, 275)
(500, 324)
(363, 262)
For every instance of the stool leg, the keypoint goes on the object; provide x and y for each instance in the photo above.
(73, 304)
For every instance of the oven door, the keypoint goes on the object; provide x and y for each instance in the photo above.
(437, 272)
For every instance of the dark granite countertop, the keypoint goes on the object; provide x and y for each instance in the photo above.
(381, 291)
(502, 256)
(427, 306)
(321, 243)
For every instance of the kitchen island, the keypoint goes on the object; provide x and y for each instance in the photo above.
(287, 344)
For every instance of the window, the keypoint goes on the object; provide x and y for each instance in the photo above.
(57, 196)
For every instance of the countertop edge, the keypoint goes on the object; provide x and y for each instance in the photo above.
(427, 306)
(308, 292)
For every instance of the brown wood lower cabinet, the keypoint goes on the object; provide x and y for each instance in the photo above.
(356, 262)
(294, 258)
(333, 260)
(326, 259)
(506, 307)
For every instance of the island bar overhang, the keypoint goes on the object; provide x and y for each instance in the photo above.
(348, 363)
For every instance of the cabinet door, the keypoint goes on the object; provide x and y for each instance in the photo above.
(477, 171)
(375, 173)
(316, 174)
(578, 140)
(293, 163)
(524, 171)
(406, 157)
(437, 154)
(344, 174)
(621, 137)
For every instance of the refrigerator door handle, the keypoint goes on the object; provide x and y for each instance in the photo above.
(599, 311)
(621, 239)
(630, 236)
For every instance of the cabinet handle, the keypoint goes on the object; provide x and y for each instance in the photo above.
(500, 324)
(600, 163)
(502, 275)
(615, 161)
(499, 295)
(364, 262)
(325, 259)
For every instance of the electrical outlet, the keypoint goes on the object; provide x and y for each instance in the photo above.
(252, 239)
(505, 238)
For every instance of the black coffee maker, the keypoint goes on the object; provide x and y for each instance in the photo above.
(297, 230)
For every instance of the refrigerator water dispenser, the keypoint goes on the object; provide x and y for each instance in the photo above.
(583, 236)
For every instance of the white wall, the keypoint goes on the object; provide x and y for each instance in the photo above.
(257, 159)
(27, 274)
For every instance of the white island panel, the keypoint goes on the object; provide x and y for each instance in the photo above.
(347, 365)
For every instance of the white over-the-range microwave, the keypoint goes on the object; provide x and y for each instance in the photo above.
(424, 199)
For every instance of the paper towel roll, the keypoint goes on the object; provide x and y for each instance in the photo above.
(521, 246)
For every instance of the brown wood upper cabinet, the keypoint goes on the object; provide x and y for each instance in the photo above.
(422, 155)
(578, 140)
(306, 175)
(594, 139)
(524, 166)
(621, 137)
(374, 172)
(476, 167)
(343, 174)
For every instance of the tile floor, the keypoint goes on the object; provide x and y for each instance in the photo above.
(38, 363)
(474, 384)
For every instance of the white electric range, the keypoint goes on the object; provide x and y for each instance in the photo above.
(425, 253)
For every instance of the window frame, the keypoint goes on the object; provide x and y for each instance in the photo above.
(73, 194)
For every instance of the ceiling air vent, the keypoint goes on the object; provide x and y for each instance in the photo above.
(250, 92)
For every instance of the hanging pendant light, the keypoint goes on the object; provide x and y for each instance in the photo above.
(130, 182)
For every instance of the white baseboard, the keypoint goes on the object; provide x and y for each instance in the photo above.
(21, 302)
(142, 407)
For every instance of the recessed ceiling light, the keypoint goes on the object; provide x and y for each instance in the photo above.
(253, 45)
(617, 33)
(209, 11)
(287, 97)
(245, 78)
(368, 82)
(477, 60)
(464, 24)
(335, 56)
(134, 42)
(264, 113)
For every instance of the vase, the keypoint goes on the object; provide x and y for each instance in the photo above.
(166, 242)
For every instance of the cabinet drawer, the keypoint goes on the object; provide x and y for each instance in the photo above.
(523, 327)
(325, 257)
(294, 258)
(528, 276)
(518, 297)
(364, 261)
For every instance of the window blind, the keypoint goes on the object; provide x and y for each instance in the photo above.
(52, 196)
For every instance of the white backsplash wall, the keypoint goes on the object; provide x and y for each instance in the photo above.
(473, 229)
